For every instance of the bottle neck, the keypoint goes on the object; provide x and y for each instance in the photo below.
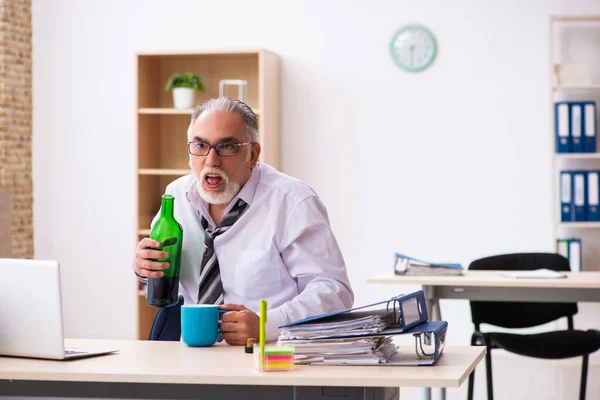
(166, 209)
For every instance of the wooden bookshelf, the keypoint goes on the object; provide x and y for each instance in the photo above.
(161, 131)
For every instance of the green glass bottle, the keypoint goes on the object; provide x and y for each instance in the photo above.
(163, 291)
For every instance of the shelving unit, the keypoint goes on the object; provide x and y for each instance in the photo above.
(161, 130)
(576, 88)
(575, 40)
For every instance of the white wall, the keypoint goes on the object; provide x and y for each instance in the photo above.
(450, 164)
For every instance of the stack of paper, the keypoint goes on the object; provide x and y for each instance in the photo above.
(369, 350)
(327, 342)
(535, 273)
(360, 326)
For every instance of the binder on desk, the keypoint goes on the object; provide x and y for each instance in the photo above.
(576, 128)
(397, 314)
(579, 196)
(432, 332)
(589, 126)
(566, 194)
(405, 265)
(364, 335)
(593, 196)
(562, 127)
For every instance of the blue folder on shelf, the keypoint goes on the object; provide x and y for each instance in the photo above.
(593, 196)
(401, 313)
(562, 125)
(579, 196)
(576, 128)
(566, 196)
(589, 126)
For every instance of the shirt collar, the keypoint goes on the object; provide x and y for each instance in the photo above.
(246, 193)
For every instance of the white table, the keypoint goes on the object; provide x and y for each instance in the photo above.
(490, 286)
(159, 370)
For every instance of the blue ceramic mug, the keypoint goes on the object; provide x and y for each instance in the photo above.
(200, 324)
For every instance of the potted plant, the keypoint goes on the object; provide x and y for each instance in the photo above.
(184, 87)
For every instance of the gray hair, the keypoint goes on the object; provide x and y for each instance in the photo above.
(229, 105)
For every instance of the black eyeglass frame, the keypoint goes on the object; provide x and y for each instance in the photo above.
(214, 146)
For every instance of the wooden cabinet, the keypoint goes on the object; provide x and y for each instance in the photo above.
(161, 131)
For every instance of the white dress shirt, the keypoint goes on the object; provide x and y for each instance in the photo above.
(281, 249)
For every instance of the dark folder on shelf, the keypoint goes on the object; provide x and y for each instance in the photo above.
(589, 126)
(579, 196)
(562, 125)
(566, 196)
(576, 128)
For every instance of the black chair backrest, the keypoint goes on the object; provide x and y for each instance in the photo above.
(167, 323)
(520, 315)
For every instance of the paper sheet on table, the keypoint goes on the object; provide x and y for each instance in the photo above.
(536, 273)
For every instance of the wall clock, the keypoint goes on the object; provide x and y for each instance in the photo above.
(413, 48)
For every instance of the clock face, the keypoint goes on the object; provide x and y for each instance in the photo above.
(413, 48)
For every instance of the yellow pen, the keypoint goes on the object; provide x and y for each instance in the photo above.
(263, 321)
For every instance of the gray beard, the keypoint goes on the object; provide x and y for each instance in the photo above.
(224, 197)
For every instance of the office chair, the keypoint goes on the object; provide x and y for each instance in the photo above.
(550, 345)
(167, 323)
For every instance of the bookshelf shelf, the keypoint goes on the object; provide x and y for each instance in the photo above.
(575, 18)
(579, 225)
(575, 88)
(578, 156)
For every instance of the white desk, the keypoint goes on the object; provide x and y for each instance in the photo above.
(489, 286)
(171, 370)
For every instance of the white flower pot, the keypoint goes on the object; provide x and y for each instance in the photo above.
(183, 98)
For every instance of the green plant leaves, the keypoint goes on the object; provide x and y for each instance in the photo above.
(187, 80)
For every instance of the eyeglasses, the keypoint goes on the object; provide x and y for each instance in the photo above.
(226, 149)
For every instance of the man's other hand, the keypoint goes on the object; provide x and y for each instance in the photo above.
(238, 324)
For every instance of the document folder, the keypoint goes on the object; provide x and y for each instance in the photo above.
(430, 341)
(579, 196)
(566, 196)
(576, 128)
(405, 265)
(350, 337)
(593, 196)
(432, 332)
(400, 314)
(589, 126)
(562, 127)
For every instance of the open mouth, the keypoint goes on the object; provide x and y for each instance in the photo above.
(213, 181)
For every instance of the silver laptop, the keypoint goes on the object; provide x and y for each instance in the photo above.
(31, 320)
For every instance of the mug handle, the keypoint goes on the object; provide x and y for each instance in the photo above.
(219, 313)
